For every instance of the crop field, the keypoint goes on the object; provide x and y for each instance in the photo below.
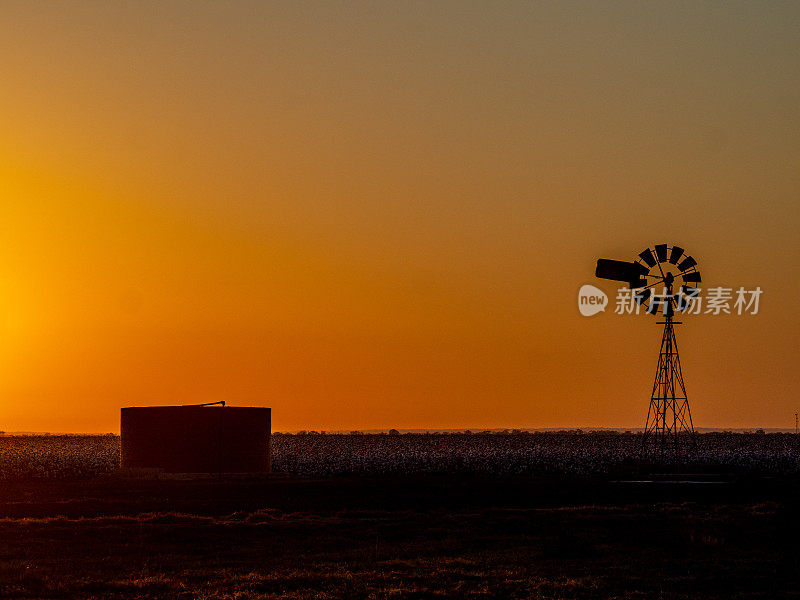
(503, 516)
(324, 455)
(572, 454)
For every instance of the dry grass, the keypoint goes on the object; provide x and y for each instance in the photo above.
(614, 552)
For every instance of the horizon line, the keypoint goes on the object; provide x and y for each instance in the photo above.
(473, 430)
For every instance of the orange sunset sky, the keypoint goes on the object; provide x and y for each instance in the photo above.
(374, 215)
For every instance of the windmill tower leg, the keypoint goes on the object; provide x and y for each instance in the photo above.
(669, 418)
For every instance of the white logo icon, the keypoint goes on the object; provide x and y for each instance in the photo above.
(591, 300)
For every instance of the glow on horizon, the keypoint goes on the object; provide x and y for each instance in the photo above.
(374, 216)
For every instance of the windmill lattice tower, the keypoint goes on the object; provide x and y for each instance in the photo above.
(669, 419)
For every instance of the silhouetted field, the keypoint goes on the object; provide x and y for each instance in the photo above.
(496, 454)
(409, 516)
(396, 537)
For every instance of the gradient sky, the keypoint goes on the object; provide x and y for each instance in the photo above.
(374, 215)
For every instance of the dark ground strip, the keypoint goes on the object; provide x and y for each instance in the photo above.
(396, 538)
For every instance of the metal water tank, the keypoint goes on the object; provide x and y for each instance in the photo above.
(196, 439)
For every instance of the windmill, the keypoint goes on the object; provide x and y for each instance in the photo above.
(669, 419)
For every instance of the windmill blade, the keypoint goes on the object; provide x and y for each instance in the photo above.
(647, 257)
(642, 296)
(653, 307)
(617, 270)
(684, 299)
(638, 283)
(687, 263)
(689, 291)
(694, 277)
(659, 303)
(675, 254)
(643, 271)
(661, 252)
